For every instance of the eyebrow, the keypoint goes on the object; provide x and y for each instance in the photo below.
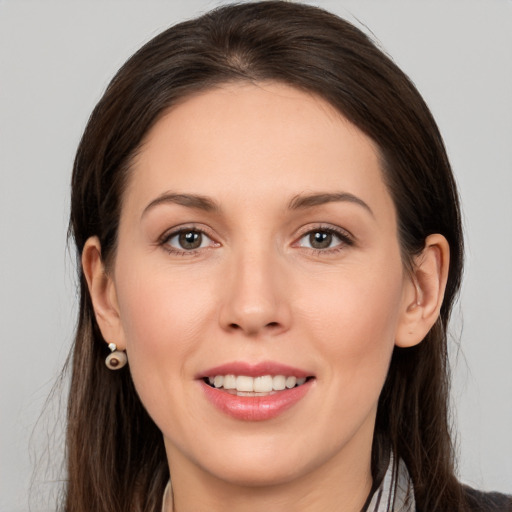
(318, 199)
(189, 200)
(298, 202)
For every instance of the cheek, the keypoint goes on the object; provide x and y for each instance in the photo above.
(160, 309)
(163, 316)
(354, 321)
(354, 305)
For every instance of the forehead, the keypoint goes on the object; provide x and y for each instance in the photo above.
(254, 141)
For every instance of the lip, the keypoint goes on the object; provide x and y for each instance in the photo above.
(254, 370)
(254, 408)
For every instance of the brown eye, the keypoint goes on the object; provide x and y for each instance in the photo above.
(190, 240)
(187, 240)
(320, 239)
(325, 239)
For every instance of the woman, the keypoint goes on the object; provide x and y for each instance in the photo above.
(270, 246)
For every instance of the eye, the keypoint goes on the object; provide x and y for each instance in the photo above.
(187, 240)
(324, 239)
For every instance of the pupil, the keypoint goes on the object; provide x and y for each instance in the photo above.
(190, 240)
(320, 240)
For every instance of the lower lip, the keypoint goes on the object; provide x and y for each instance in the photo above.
(255, 408)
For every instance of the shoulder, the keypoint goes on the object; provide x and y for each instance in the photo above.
(487, 501)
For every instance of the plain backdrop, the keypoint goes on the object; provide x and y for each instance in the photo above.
(56, 58)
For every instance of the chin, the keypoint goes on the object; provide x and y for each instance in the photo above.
(260, 474)
(264, 461)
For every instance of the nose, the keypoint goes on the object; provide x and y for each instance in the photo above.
(255, 296)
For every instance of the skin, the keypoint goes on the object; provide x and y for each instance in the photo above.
(256, 290)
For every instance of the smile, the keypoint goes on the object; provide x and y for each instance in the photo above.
(255, 392)
(244, 385)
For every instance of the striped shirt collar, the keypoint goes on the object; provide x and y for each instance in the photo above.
(395, 492)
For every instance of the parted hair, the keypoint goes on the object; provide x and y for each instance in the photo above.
(115, 455)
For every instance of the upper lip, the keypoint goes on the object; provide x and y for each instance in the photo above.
(254, 369)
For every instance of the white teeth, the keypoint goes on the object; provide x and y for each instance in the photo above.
(263, 384)
(229, 382)
(279, 382)
(290, 382)
(242, 384)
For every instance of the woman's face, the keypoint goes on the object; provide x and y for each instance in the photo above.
(257, 239)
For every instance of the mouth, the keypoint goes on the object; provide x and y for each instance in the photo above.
(262, 385)
(255, 391)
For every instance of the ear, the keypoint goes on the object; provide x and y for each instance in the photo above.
(423, 292)
(103, 294)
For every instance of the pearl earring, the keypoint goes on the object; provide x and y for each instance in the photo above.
(117, 359)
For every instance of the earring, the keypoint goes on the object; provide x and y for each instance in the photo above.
(117, 359)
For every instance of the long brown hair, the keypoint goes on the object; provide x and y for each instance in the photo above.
(115, 456)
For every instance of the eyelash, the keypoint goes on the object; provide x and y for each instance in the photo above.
(344, 237)
(168, 236)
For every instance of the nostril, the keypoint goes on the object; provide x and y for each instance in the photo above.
(271, 325)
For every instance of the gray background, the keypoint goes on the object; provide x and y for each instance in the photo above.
(56, 59)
